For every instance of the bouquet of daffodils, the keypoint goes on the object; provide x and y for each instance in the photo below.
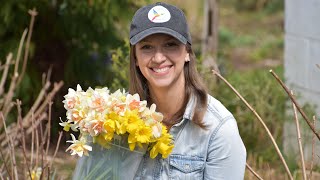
(103, 118)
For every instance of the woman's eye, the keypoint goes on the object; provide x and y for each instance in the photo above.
(171, 44)
(146, 47)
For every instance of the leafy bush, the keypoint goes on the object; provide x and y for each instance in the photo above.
(260, 89)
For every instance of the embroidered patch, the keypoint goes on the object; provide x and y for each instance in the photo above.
(159, 14)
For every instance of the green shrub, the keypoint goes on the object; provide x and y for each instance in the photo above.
(260, 89)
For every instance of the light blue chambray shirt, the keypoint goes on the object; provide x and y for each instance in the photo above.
(215, 153)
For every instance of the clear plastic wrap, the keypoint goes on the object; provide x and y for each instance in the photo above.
(115, 162)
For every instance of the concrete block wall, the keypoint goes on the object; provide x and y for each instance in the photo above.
(302, 53)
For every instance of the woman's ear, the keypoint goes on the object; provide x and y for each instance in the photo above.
(187, 58)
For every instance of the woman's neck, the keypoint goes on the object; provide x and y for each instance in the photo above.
(169, 100)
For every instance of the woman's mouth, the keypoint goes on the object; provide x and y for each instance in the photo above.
(161, 70)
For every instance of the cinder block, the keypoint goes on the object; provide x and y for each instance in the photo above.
(313, 70)
(296, 54)
(301, 17)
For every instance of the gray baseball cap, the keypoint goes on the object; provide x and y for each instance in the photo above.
(159, 18)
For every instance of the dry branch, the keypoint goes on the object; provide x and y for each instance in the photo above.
(33, 13)
(313, 146)
(299, 141)
(39, 113)
(260, 120)
(253, 172)
(5, 73)
(8, 97)
(296, 104)
(36, 103)
(22, 138)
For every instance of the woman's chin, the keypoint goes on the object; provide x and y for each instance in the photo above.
(163, 83)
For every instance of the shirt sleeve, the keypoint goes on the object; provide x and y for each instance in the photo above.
(226, 158)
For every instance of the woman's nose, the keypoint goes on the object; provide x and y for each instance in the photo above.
(159, 57)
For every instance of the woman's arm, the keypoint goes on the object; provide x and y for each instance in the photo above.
(226, 158)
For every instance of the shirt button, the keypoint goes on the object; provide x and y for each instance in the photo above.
(187, 166)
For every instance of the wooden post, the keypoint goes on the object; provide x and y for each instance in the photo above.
(210, 35)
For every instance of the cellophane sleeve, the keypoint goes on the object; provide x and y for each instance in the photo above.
(114, 162)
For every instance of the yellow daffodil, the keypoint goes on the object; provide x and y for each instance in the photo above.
(162, 146)
(143, 134)
(133, 121)
(109, 128)
(35, 174)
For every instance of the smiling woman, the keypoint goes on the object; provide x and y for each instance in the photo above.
(163, 71)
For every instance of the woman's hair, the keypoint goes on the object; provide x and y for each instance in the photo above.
(194, 87)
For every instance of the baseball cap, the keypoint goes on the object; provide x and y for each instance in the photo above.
(159, 18)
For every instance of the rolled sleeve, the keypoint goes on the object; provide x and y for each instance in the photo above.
(226, 158)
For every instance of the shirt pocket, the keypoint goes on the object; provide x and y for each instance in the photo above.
(186, 167)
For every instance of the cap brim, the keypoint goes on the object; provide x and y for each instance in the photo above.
(155, 30)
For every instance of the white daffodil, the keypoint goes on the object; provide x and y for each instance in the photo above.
(79, 147)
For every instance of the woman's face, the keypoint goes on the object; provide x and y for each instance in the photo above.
(161, 59)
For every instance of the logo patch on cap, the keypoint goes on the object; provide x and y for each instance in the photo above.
(159, 14)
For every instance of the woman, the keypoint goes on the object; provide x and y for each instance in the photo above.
(163, 71)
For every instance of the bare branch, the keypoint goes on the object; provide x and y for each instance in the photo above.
(4, 162)
(260, 120)
(22, 138)
(7, 102)
(296, 104)
(36, 103)
(57, 148)
(299, 141)
(33, 14)
(253, 172)
(49, 128)
(11, 149)
(32, 139)
(5, 73)
(313, 146)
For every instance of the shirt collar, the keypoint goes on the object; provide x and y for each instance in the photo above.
(190, 108)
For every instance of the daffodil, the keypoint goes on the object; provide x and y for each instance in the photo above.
(162, 146)
(35, 174)
(133, 121)
(66, 126)
(78, 147)
(109, 128)
(143, 134)
(76, 115)
(120, 122)
(156, 130)
(133, 103)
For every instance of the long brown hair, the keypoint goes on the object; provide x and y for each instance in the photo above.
(194, 87)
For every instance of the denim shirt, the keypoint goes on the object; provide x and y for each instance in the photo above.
(216, 152)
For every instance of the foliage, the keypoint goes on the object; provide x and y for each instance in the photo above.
(269, 6)
(120, 66)
(258, 88)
